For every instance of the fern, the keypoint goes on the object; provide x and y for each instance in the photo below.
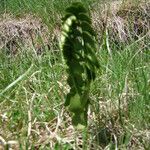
(78, 47)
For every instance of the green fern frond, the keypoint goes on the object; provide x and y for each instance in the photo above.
(78, 47)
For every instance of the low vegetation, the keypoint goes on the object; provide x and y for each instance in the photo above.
(33, 77)
(78, 46)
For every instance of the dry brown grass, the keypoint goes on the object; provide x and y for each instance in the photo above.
(28, 32)
(124, 21)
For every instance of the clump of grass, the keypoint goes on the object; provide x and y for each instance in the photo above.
(123, 22)
(51, 10)
(119, 97)
(27, 97)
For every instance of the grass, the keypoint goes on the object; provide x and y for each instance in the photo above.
(50, 9)
(33, 89)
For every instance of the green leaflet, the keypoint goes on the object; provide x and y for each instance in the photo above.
(84, 17)
(88, 38)
(78, 47)
(87, 28)
(75, 104)
(76, 8)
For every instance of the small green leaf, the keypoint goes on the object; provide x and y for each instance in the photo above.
(88, 38)
(75, 103)
(76, 8)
